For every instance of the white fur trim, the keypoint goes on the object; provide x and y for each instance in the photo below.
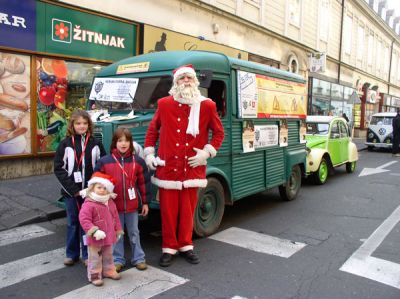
(210, 149)
(149, 151)
(169, 250)
(109, 186)
(186, 248)
(202, 183)
(175, 185)
(178, 185)
(184, 70)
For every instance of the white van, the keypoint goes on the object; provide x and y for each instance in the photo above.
(380, 129)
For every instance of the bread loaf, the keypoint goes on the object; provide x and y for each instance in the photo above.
(12, 103)
(13, 64)
(6, 123)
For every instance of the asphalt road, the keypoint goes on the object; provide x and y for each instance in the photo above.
(339, 240)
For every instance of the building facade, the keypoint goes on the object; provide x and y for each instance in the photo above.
(347, 50)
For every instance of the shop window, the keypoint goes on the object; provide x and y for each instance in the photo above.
(15, 119)
(320, 106)
(63, 86)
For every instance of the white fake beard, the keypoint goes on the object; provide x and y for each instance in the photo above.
(187, 94)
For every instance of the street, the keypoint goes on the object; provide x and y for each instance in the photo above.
(338, 240)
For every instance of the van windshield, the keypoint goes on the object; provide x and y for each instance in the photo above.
(149, 90)
(381, 120)
(317, 128)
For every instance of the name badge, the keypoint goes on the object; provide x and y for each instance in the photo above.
(132, 194)
(78, 177)
(84, 240)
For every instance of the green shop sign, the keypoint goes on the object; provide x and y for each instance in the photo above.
(70, 32)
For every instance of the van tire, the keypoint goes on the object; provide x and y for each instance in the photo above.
(210, 208)
(290, 190)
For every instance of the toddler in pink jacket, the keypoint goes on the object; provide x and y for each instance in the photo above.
(99, 219)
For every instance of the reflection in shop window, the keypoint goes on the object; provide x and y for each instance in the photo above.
(63, 86)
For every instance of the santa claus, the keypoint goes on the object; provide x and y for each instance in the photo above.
(181, 124)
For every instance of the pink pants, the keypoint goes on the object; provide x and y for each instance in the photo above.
(177, 210)
(100, 262)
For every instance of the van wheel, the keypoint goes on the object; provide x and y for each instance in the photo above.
(351, 166)
(210, 208)
(290, 190)
(370, 148)
(321, 176)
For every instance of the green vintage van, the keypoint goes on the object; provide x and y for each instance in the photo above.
(260, 107)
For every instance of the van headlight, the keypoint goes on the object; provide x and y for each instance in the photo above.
(370, 135)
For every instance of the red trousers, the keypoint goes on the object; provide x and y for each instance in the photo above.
(177, 210)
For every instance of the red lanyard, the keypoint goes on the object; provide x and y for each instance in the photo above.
(123, 170)
(83, 149)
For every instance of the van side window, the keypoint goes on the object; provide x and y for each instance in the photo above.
(217, 92)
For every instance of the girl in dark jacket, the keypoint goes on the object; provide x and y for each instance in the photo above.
(74, 162)
(132, 183)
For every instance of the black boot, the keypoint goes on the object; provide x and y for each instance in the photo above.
(165, 260)
(190, 257)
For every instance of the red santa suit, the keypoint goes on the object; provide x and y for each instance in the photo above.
(177, 180)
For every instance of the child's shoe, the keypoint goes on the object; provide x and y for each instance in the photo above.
(141, 266)
(97, 282)
(118, 267)
(114, 276)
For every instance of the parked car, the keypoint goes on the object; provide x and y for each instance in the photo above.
(329, 145)
(380, 131)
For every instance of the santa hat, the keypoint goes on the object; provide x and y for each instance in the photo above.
(104, 179)
(184, 69)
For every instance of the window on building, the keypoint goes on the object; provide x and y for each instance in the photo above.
(324, 19)
(360, 43)
(378, 55)
(348, 24)
(370, 48)
(386, 60)
(294, 7)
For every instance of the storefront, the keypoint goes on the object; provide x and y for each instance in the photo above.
(370, 100)
(49, 54)
(389, 103)
(327, 98)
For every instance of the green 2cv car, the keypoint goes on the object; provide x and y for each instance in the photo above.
(329, 145)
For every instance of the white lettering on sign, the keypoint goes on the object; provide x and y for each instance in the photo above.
(98, 38)
(17, 21)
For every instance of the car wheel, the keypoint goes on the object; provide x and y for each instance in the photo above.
(351, 166)
(290, 190)
(321, 175)
(210, 208)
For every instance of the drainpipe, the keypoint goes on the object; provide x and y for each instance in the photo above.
(340, 43)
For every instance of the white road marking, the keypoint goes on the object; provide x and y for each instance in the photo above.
(31, 266)
(133, 284)
(379, 169)
(361, 262)
(23, 233)
(258, 242)
(238, 297)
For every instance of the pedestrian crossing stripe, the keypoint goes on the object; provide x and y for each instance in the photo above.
(133, 284)
(258, 242)
(31, 266)
(23, 233)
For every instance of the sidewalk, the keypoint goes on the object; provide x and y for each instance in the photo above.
(33, 199)
(29, 200)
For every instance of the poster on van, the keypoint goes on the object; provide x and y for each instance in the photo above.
(265, 136)
(248, 136)
(261, 96)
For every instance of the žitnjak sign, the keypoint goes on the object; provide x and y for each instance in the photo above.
(75, 33)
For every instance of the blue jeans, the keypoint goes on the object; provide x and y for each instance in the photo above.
(130, 221)
(74, 230)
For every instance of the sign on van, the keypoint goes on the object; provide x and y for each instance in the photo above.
(114, 89)
(262, 96)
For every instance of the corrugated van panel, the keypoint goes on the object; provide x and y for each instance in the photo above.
(275, 167)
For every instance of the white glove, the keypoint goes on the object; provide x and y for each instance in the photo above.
(99, 235)
(200, 158)
(152, 162)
